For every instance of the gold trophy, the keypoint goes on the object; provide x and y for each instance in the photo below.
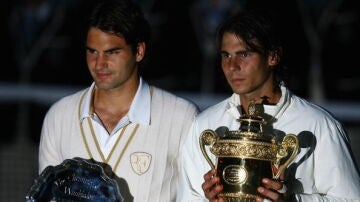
(245, 156)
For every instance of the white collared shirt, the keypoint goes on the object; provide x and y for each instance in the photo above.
(139, 112)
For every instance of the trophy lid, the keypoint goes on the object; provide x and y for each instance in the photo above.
(251, 123)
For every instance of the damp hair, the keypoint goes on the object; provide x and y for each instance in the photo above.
(122, 18)
(259, 32)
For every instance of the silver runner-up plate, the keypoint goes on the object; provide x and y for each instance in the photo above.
(75, 179)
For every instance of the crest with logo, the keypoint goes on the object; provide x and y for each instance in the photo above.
(140, 162)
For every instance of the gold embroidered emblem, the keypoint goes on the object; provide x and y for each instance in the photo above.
(140, 162)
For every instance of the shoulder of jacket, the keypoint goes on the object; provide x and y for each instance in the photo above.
(170, 97)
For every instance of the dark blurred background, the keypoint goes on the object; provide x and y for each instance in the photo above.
(43, 59)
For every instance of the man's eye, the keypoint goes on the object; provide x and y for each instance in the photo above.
(225, 55)
(244, 53)
(112, 52)
(90, 51)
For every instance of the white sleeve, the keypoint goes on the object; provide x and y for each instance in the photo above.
(193, 168)
(335, 173)
(48, 154)
(321, 198)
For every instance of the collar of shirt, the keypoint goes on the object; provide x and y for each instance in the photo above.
(275, 110)
(139, 111)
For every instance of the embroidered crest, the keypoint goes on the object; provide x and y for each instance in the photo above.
(140, 162)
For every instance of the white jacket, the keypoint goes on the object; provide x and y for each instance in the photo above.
(322, 171)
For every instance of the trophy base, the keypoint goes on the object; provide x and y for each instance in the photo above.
(76, 179)
(238, 197)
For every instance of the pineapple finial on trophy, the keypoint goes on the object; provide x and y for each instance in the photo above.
(252, 108)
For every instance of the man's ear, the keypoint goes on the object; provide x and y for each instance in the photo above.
(274, 57)
(140, 51)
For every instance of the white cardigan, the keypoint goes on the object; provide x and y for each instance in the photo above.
(149, 165)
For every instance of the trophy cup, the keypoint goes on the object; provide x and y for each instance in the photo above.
(245, 156)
